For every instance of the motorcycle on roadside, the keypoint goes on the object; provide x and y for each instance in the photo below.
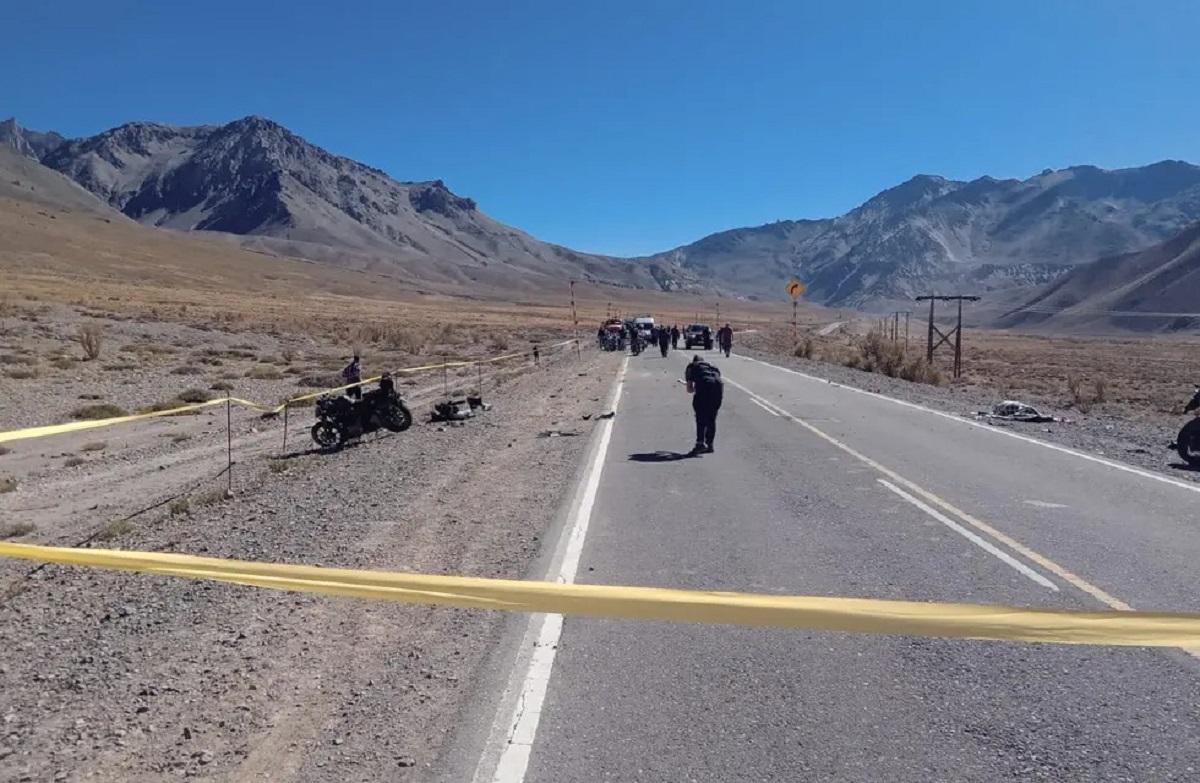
(1187, 443)
(340, 419)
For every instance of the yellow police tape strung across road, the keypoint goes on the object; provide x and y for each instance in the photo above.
(848, 615)
(75, 426)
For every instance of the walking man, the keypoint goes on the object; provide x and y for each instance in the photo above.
(675, 338)
(707, 389)
(664, 341)
(725, 339)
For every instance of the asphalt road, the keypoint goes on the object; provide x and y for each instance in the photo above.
(815, 489)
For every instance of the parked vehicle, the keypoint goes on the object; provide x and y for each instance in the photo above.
(1187, 443)
(698, 334)
(340, 419)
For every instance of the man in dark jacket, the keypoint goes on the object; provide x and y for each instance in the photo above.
(708, 390)
(353, 374)
(674, 338)
(725, 339)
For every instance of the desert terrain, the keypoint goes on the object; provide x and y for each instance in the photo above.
(127, 677)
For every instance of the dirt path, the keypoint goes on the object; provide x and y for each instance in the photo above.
(129, 677)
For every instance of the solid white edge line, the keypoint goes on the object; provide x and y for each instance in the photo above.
(952, 417)
(974, 539)
(527, 712)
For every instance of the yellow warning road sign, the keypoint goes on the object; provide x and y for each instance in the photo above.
(795, 288)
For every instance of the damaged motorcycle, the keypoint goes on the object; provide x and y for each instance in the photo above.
(1187, 443)
(340, 419)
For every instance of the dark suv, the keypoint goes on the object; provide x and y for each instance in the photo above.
(698, 334)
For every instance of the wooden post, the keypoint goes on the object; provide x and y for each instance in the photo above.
(958, 343)
(285, 426)
(795, 305)
(929, 344)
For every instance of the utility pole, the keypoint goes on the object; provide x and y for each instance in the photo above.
(955, 333)
(895, 326)
(718, 313)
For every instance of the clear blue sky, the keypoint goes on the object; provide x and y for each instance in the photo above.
(632, 127)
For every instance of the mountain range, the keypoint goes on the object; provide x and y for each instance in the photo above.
(280, 194)
(1150, 290)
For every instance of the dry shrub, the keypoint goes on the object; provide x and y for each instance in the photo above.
(194, 396)
(115, 529)
(7, 485)
(5, 450)
(12, 358)
(187, 369)
(318, 381)
(878, 354)
(918, 370)
(62, 363)
(804, 349)
(1075, 388)
(179, 506)
(288, 354)
(91, 339)
(22, 374)
(73, 462)
(1100, 386)
(881, 355)
(499, 343)
(222, 386)
(120, 367)
(96, 412)
(14, 529)
(96, 445)
(264, 373)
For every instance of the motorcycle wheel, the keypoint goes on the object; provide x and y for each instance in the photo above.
(1188, 443)
(327, 435)
(397, 418)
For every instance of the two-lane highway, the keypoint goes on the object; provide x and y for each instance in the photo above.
(817, 489)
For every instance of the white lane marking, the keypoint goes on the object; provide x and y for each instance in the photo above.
(1043, 504)
(986, 546)
(527, 712)
(763, 406)
(1052, 446)
(1046, 563)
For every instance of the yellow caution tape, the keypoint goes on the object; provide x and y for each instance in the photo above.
(848, 615)
(75, 426)
(55, 429)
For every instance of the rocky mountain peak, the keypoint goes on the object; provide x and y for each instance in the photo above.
(436, 197)
(30, 143)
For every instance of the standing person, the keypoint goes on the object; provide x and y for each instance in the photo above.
(664, 341)
(675, 337)
(708, 390)
(353, 374)
(725, 339)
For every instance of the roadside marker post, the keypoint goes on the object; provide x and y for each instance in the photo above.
(229, 445)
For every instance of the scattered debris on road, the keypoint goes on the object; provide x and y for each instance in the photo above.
(1012, 410)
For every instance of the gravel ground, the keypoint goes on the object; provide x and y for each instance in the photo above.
(1135, 437)
(113, 676)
